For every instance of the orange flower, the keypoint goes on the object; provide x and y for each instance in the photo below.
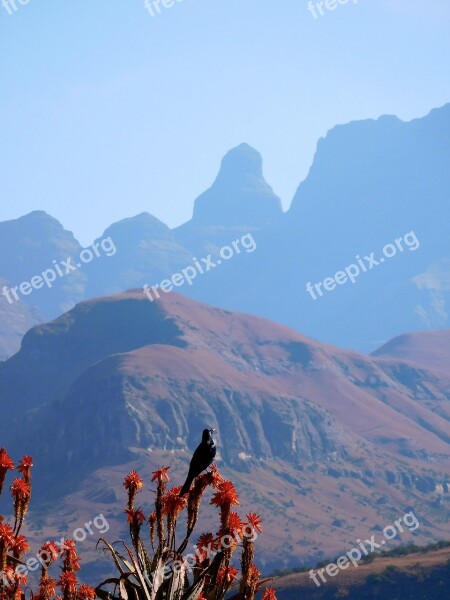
(25, 464)
(255, 521)
(135, 515)
(228, 575)
(174, 503)
(20, 489)
(21, 492)
(5, 461)
(255, 573)
(20, 546)
(195, 497)
(6, 534)
(216, 477)
(25, 467)
(8, 577)
(161, 474)
(133, 482)
(68, 582)
(47, 588)
(6, 543)
(206, 539)
(50, 552)
(226, 496)
(85, 592)
(71, 558)
(234, 523)
(6, 464)
(269, 594)
(20, 578)
(206, 546)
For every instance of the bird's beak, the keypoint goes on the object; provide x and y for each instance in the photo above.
(213, 430)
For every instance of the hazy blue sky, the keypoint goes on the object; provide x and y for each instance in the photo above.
(108, 112)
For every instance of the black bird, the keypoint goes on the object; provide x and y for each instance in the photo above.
(202, 458)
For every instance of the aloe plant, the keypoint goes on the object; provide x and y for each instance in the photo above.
(165, 572)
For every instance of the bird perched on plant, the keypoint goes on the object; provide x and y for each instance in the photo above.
(201, 459)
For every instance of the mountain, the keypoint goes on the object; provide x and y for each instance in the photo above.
(16, 319)
(31, 245)
(146, 252)
(377, 189)
(419, 574)
(240, 200)
(361, 256)
(239, 195)
(337, 443)
(427, 348)
(372, 182)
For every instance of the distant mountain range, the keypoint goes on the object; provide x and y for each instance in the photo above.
(329, 445)
(371, 183)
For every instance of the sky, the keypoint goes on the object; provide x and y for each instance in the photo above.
(107, 112)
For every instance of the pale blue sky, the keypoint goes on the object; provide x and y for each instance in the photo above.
(108, 112)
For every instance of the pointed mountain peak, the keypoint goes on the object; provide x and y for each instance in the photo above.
(240, 195)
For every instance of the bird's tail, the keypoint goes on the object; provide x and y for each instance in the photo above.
(186, 487)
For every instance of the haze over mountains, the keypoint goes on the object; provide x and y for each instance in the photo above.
(337, 443)
(371, 182)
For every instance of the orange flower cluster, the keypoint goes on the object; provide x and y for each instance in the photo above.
(254, 521)
(21, 493)
(269, 594)
(225, 498)
(212, 561)
(47, 588)
(162, 478)
(6, 464)
(227, 576)
(211, 478)
(212, 564)
(135, 516)
(173, 503)
(134, 484)
(25, 468)
(51, 552)
(14, 546)
(250, 582)
(71, 560)
(85, 592)
(161, 475)
(206, 545)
